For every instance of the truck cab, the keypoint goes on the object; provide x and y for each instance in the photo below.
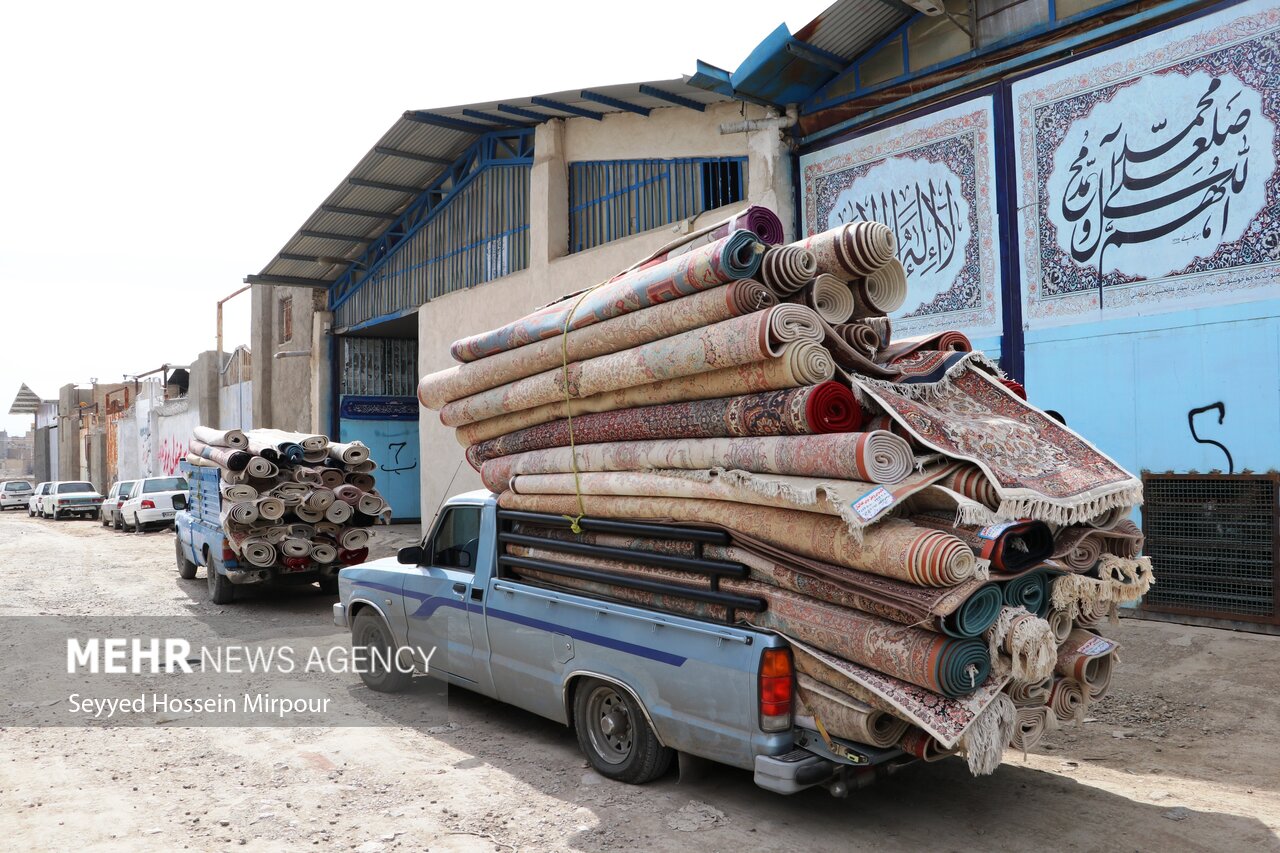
(639, 686)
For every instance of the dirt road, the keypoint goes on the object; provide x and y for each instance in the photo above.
(1182, 756)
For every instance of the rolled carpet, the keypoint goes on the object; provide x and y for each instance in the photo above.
(307, 476)
(1087, 658)
(363, 482)
(315, 457)
(331, 478)
(348, 493)
(831, 298)
(201, 462)
(1060, 622)
(240, 512)
(349, 454)
(323, 552)
(330, 529)
(1029, 591)
(1078, 547)
(861, 336)
(733, 257)
(1124, 540)
(1009, 546)
(937, 663)
(882, 326)
(828, 407)
(308, 441)
(1067, 699)
(852, 250)
(786, 269)
(800, 363)
(759, 220)
(353, 538)
(1030, 726)
(270, 509)
(309, 515)
(938, 341)
(881, 292)
(1024, 642)
(923, 746)
(260, 468)
(339, 511)
(844, 716)
(233, 438)
(238, 491)
(293, 454)
(630, 330)
(352, 556)
(318, 500)
(740, 340)
(1030, 693)
(295, 547)
(892, 548)
(224, 457)
(257, 551)
(875, 457)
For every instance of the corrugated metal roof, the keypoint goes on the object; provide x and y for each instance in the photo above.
(310, 258)
(849, 27)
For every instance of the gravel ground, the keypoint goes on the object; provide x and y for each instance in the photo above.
(1182, 755)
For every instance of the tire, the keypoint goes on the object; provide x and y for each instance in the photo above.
(137, 525)
(221, 590)
(102, 516)
(186, 568)
(369, 632)
(115, 522)
(614, 734)
(329, 585)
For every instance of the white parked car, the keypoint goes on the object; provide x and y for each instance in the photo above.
(33, 504)
(69, 497)
(119, 493)
(14, 494)
(153, 502)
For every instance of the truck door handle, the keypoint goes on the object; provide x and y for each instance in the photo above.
(460, 588)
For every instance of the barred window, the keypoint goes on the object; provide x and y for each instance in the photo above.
(611, 199)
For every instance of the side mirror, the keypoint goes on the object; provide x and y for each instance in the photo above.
(413, 555)
(464, 559)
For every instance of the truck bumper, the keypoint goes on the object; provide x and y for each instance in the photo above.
(340, 615)
(793, 771)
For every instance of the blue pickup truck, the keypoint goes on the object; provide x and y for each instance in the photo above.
(639, 686)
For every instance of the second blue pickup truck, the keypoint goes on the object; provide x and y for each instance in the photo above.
(639, 686)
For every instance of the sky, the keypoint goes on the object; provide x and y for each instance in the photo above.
(153, 154)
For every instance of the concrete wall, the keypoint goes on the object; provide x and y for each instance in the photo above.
(665, 133)
(43, 468)
(286, 387)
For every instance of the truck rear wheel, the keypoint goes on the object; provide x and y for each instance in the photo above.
(614, 734)
(186, 568)
(221, 590)
(369, 633)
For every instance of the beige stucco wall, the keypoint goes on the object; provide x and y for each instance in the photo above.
(284, 388)
(675, 132)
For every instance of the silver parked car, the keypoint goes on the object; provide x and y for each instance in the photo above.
(33, 504)
(119, 492)
(14, 494)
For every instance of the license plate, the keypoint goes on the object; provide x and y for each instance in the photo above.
(167, 515)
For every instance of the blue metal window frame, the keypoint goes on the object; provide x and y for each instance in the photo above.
(499, 148)
(820, 100)
(608, 192)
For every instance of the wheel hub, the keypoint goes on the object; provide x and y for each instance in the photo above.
(614, 723)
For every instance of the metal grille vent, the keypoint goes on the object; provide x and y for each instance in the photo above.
(1212, 540)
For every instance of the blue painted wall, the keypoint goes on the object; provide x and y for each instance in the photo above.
(1128, 385)
(394, 446)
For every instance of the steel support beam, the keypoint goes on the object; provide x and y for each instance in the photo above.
(310, 259)
(382, 185)
(671, 98)
(523, 113)
(341, 238)
(588, 95)
(355, 211)
(423, 117)
(501, 122)
(566, 108)
(290, 280)
(386, 151)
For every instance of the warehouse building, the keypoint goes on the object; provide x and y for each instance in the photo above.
(1087, 188)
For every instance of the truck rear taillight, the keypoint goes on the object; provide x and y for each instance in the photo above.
(148, 504)
(227, 553)
(777, 686)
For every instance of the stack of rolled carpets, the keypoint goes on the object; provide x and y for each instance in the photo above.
(898, 509)
(292, 501)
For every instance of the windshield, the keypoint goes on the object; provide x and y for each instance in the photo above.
(165, 484)
(69, 488)
(17, 487)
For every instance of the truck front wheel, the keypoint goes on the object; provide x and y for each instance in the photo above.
(369, 633)
(614, 734)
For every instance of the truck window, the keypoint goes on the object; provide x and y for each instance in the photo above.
(457, 539)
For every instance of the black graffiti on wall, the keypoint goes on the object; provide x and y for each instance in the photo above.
(1222, 415)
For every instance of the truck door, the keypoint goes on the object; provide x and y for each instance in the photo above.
(437, 596)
